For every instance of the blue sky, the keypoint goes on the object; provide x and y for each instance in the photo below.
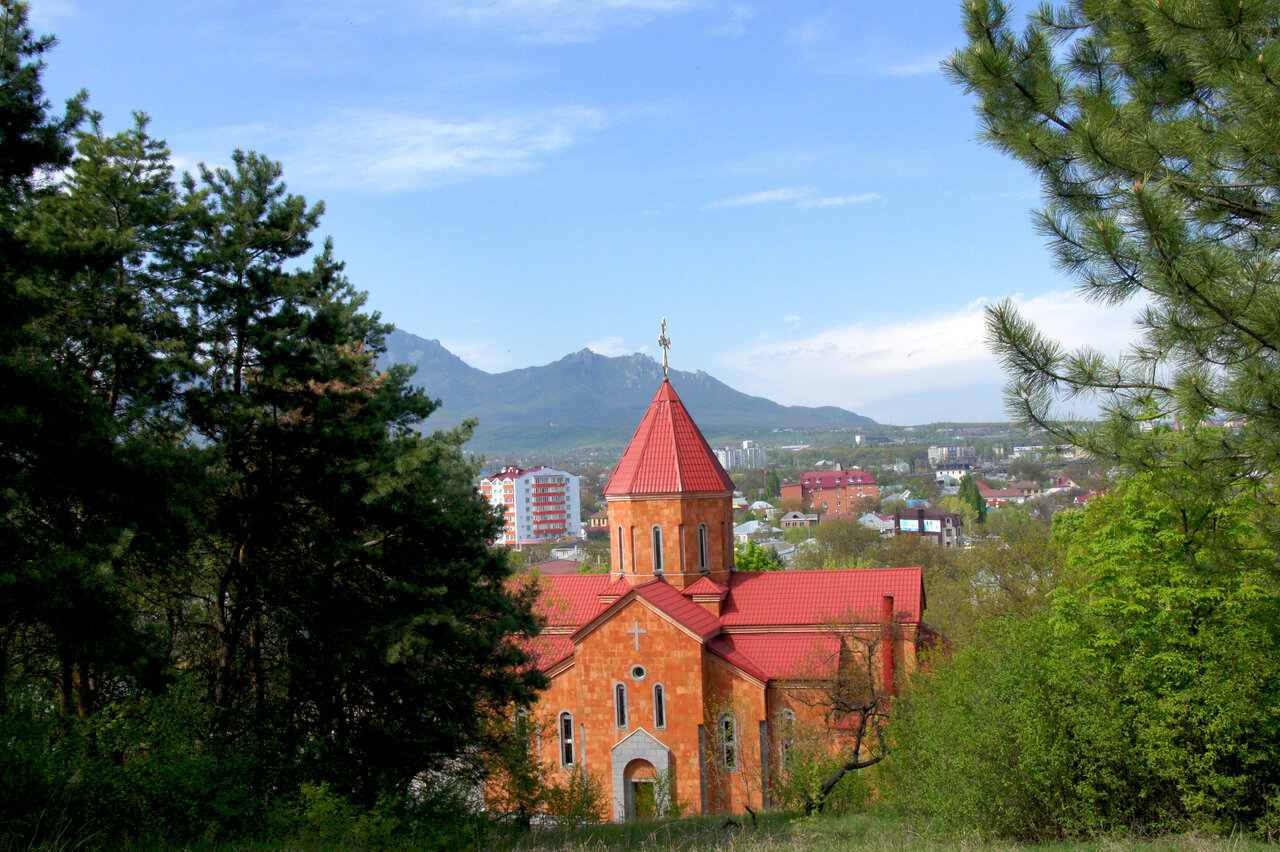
(793, 185)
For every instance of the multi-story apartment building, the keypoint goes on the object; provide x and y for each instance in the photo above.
(947, 455)
(833, 492)
(540, 504)
(751, 455)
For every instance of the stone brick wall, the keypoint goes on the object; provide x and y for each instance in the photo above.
(674, 514)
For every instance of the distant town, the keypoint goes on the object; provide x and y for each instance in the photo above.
(889, 481)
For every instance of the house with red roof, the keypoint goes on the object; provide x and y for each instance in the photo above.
(677, 680)
(999, 497)
(833, 492)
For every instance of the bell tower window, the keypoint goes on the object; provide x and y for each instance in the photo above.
(704, 560)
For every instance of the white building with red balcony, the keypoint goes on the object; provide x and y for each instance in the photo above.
(539, 504)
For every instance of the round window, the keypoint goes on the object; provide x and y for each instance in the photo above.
(638, 672)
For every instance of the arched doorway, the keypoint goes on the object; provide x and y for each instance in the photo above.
(639, 761)
(639, 779)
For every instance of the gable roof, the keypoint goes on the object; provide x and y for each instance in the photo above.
(814, 598)
(705, 586)
(667, 599)
(667, 454)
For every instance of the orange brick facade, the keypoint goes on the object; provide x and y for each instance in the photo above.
(841, 492)
(682, 519)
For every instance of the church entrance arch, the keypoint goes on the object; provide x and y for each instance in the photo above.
(638, 763)
(639, 777)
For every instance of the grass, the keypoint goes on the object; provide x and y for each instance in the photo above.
(783, 833)
(772, 832)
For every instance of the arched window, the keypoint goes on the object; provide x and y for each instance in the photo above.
(622, 554)
(659, 706)
(657, 549)
(566, 738)
(704, 557)
(728, 742)
(620, 704)
(786, 736)
(522, 726)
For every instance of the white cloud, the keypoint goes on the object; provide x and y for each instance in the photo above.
(46, 16)
(558, 21)
(487, 355)
(792, 193)
(929, 368)
(800, 196)
(915, 67)
(838, 200)
(392, 152)
(609, 347)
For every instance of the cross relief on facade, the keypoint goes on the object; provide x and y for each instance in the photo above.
(636, 631)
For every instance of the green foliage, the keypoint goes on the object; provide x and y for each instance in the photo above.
(810, 763)
(577, 799)
(1025, 468)
(1144, 699)
(754, 557)
(772, 486)
(1151, 128)
(970, 494)
(838, 544)
(236, 573)
(664, 796)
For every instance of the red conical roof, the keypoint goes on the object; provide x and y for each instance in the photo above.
(667, 454)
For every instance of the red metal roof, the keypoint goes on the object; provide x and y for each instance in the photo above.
(667, 454)
(705, 586)
(837, 478)
(557, 567)
(791, 610)
(548, 650)
(512, 472)
(668, 599)
(618, 587)
(571, 600)
(781, 655)
(802, 598)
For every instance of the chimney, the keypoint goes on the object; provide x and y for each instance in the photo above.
(886, 646)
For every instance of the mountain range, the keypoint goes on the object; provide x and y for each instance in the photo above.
(587, 400)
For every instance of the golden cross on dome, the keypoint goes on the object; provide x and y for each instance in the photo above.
(665, 343)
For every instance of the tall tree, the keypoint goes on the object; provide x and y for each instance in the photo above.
(1152, 127)
(970, 494)
(355, 607)
(110, 489)
(50, 432)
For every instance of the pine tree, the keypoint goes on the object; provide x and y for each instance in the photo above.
(1154, 127)
(357, 609)
(772, 486)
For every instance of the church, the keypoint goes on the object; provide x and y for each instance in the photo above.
(676, 680)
